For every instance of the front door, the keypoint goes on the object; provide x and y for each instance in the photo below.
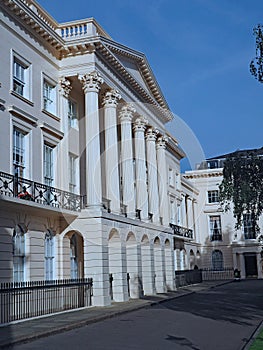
(251, 265)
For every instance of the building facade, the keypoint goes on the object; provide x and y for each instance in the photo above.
(224, 246)
(90, 181)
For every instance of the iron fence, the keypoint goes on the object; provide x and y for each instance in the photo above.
(36, 298)
(187, 277)
(182, 231)
(214, 275)
(18, 187)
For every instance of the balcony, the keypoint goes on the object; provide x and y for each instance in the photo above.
(182, 231)
(27, 190)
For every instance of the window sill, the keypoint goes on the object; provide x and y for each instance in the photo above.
(51, 115)
(21, 98)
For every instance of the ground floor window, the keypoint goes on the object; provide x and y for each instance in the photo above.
(217, 260)
(18, 254)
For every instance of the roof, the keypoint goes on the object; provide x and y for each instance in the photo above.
(237, 153)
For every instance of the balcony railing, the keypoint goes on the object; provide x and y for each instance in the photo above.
(182, 231)
(24, 189)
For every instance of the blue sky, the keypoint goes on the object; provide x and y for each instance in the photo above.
(199, 51)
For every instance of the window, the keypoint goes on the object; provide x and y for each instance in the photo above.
(215, 228)
(18, 152)
(217, 260)
(72, 115)
(21, 70)
(48, 165)
(18, 254)
(249, 230)
(171, 177)
(49, 256)
(213, 196)
(72, 173)
(49, 96)
(73, 257)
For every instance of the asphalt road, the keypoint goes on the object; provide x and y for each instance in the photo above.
(222, 318)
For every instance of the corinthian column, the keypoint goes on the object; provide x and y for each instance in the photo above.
(91, 86)
(141, 186)
(126, 115)
(64, 90)
(110, 101)
(152, 174)
(162, 179)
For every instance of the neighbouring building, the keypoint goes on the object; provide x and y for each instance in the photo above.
(90, 182)
(223, 246)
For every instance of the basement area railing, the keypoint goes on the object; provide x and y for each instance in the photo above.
(31, 299)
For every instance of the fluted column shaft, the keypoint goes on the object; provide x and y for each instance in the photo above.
(140, 167)
(152, 174)
(64, 90)
(110, 101)
(91, 86)
(162, 180)
(126, 115)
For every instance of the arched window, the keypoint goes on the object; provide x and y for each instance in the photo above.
(49, 255)
(18, 254)
(217, 260)
(73, 257)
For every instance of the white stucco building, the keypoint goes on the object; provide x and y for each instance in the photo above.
(90, 181)
(223, 246)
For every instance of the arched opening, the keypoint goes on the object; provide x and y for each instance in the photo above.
(19, 253)
(73, 255)
(147, 266)
(134, 273)
(117, 268)
(169, 268)
(158, 266)
(182, 259)
(217, 260)
(191, 259)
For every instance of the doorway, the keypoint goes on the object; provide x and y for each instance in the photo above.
(251, 265)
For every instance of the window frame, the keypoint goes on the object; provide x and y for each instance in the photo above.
(48, 180)
(19, 254)
(72, 119)
(215, 236)
(217, 264)
(25, 81)
(49, 247)
(248, 230)
(213, 196)
(51, 96)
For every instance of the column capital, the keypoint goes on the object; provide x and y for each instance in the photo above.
(126, 112)
(64, 87)
(161, 142)
(151, 134)
(91, 81)
(111, 98)
(140, 124)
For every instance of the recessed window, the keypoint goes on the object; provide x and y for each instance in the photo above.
(171, 177)
(213, 196)
(49, 96)
(215, 228)
(72, 173)
(72, 115)
(18, 254)
(249, 230)
(48, 165)
(49, 255)
(21, 76)
(217, 260)
(18, 152)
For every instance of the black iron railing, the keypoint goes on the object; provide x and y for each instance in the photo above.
(31, 299)
(187, 277)
(225, 273)
(18, 187)
(182, 231)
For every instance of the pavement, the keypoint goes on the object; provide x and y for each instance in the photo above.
(30, 329)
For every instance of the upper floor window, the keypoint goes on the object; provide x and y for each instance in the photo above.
(18, 254)
(215, 228)
(49, 256)
(18, 152)
(72, 115)
(72, 173)
(213, 196)
(49, 96)
(21, 71)
(48, 165)
(171, 177)
(249, 230)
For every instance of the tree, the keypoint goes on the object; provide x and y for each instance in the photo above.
(256, 65)
(242, 186)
